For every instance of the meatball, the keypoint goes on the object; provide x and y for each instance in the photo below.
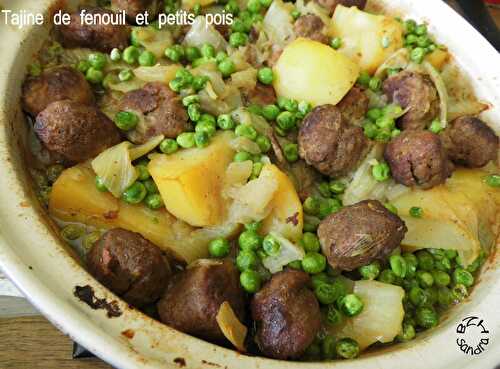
(100, 36)
(75, 131)
(331, 5)
(310, 26)
(130, 266)
(60, 83)
(193, 298)
(354, 106)
(470, 142)
(162, 109)
(417, 93)
(286, 314)
(328, 143)
(359, 234)
(261, 95)
(418, 158)
(134, 7)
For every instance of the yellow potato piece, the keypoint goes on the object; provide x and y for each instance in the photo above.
(286, 217)
(191, 181)
(311, 71)
(367, 39)
(438, 58)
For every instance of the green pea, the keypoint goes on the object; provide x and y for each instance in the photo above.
(291, 152)
(493, 180)
(143, 172)
(232, 7)
(410, 26)
(176, 85)
(407, 333)
(443, 265)
(256, 169)
(398, 265)
(329, 206)
(239, 26)
(326, 293)
(264, 143)
(97, 60)
(225, 122)
(255, 109)
(351, 305)
(425, 278)
(147, 59)
(72, 232)
(311, 223)
(393, 71)
(206, 125)
(417, 296)
(242, 156)
(186, 140)
(411, 264)
(173, 54)
(115, 55)
(185, 76)
(462, 276)
(310, 242)
(417, 55)
(425, 260)
(435, 126)
(286, 120)
(387, 276)
(296, 264)
(416, 212)
(426, 317)
(238, 39)
(383, 135)
(94, 76)
(441, 278)
(364, 79)
(336, 43)
(347, 348)
(130, 54)
(295, 14)
(219, 248)
(386, 122)
(201, 139)
(333, 316)
(328, 348)
(311, 205)
(266, 3)
(421, 30)
(391, 208)
(227, 67)
(135, 193)
(254, 6)
(370, 130)
(246, 130)
(126, 120)
(249, 240)
(89, 240)
(271, 245)
(375, 84)
(370, 271)
(253, 226)
(83, 66)
(459, 293)
(265, 75)
(381, 172)
(194, 112)
(192, 53)
(169, 146)
(444, 296)
(270, 112)
(154, 201)
(374, 114)
(247, 260)
(35, 69)
(313, 263)
(320, 278)
(250, 281)
(150, 186)
(207, 50)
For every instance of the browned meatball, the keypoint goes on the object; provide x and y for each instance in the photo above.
(416, 92)
(328, 143)
(418, 158)
(286, 314)
(60, 83)
(331, 5)
(75, 131)
(261, 95)
(103, 37)
(310, 26)
(134, 7)
(359, 234)
(470, 142)
(193, 298)
(130, 266)
(354, 106)
(162, 109)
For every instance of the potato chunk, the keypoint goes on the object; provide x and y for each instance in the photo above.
(311, 71)
(286, 217)
(367, 39)
(191, 181)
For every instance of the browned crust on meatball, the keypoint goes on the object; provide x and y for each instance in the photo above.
(130, 266)
(359, 234)
(286, 314)
(162, 109)
(329, 144)
(331, 5)
(60, 83)
(416, 92)
(193, 298)
(261, 95)
(310, 26)
(418, 158)
(103, 37)
(354, 106)
(470, 142)
(75, 131)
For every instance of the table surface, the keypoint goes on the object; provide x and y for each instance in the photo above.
(29, 341)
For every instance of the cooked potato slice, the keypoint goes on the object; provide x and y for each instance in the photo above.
(286, 217)
(381, 318)
(311, 71)
(191, 181)
(367, 39)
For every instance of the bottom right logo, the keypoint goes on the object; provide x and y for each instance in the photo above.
(472, 336)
